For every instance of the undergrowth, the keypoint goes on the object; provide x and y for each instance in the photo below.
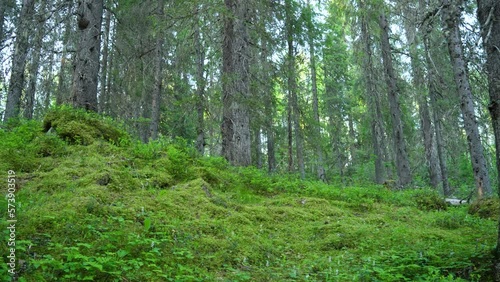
(102, 207)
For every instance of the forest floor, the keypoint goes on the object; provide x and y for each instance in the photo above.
(101, 207)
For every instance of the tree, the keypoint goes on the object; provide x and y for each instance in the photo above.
(402, 162)
(21, 48)
(314, 89)
(488, 14)
(293, 106)
(86, 63)
(158, 76)
(451, 14)
(235, 85)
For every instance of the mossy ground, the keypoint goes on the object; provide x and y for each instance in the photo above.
(111, 211)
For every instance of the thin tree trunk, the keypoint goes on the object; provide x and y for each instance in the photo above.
(86, 64)
(200, 88)
(62, 87)
(314, 87)
(236, 143)
(156, 97)
(267, 94)
(48, 86)
(21, 48)
(402, 162)
(373, 102)
(419, 88)
(103, 101)
(451, 16)
(35, 63)
(292, 90)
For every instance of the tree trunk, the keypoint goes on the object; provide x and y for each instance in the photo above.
(402, 162)
(419, 88)
(488, 14)
(62, 86)
(269, 108)
(35, 62)
(373, 103)
(86, 63)
(314, 87)
(451, 14)
(200, 88)
(21, 48)
(104, 98)
(236, 143)
(158, 82)
(292, 90)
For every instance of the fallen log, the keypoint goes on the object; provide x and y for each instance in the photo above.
(456, 202)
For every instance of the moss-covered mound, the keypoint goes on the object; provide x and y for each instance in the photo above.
(78, 126)
(157, 212)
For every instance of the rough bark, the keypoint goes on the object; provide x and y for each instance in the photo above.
(86, 64)
(158, 76)
(373, 103)
(402, 162)
(21, 47)
(236, 143)
(451, 15)
(488, 14)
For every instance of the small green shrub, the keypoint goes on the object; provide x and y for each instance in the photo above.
(429, 200)
(485, 208)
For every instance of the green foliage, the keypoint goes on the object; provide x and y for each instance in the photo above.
(429, 200)
(78, 126)
(485, 208)
(156, 212)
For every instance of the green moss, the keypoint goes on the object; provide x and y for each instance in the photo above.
(80, 127)
(486, 208)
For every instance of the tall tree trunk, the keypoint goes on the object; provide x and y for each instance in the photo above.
(35, 62)
(419, 87)
(314, 87)
(86, 63)
(104, 99)
(373, 102)
(451, 15)
(488, 13)
(236, 143)
(402, 162)
(292, 90)
(200, 87)
(269, 108)
(156, 96)
(21, 48)
(62, 87)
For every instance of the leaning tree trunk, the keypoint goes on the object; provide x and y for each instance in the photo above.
(86, 64)
(451, 15)
(156, 97)
(236, 143)
(488, 14)
(21, 48)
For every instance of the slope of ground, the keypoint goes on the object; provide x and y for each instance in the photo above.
(111, 209)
